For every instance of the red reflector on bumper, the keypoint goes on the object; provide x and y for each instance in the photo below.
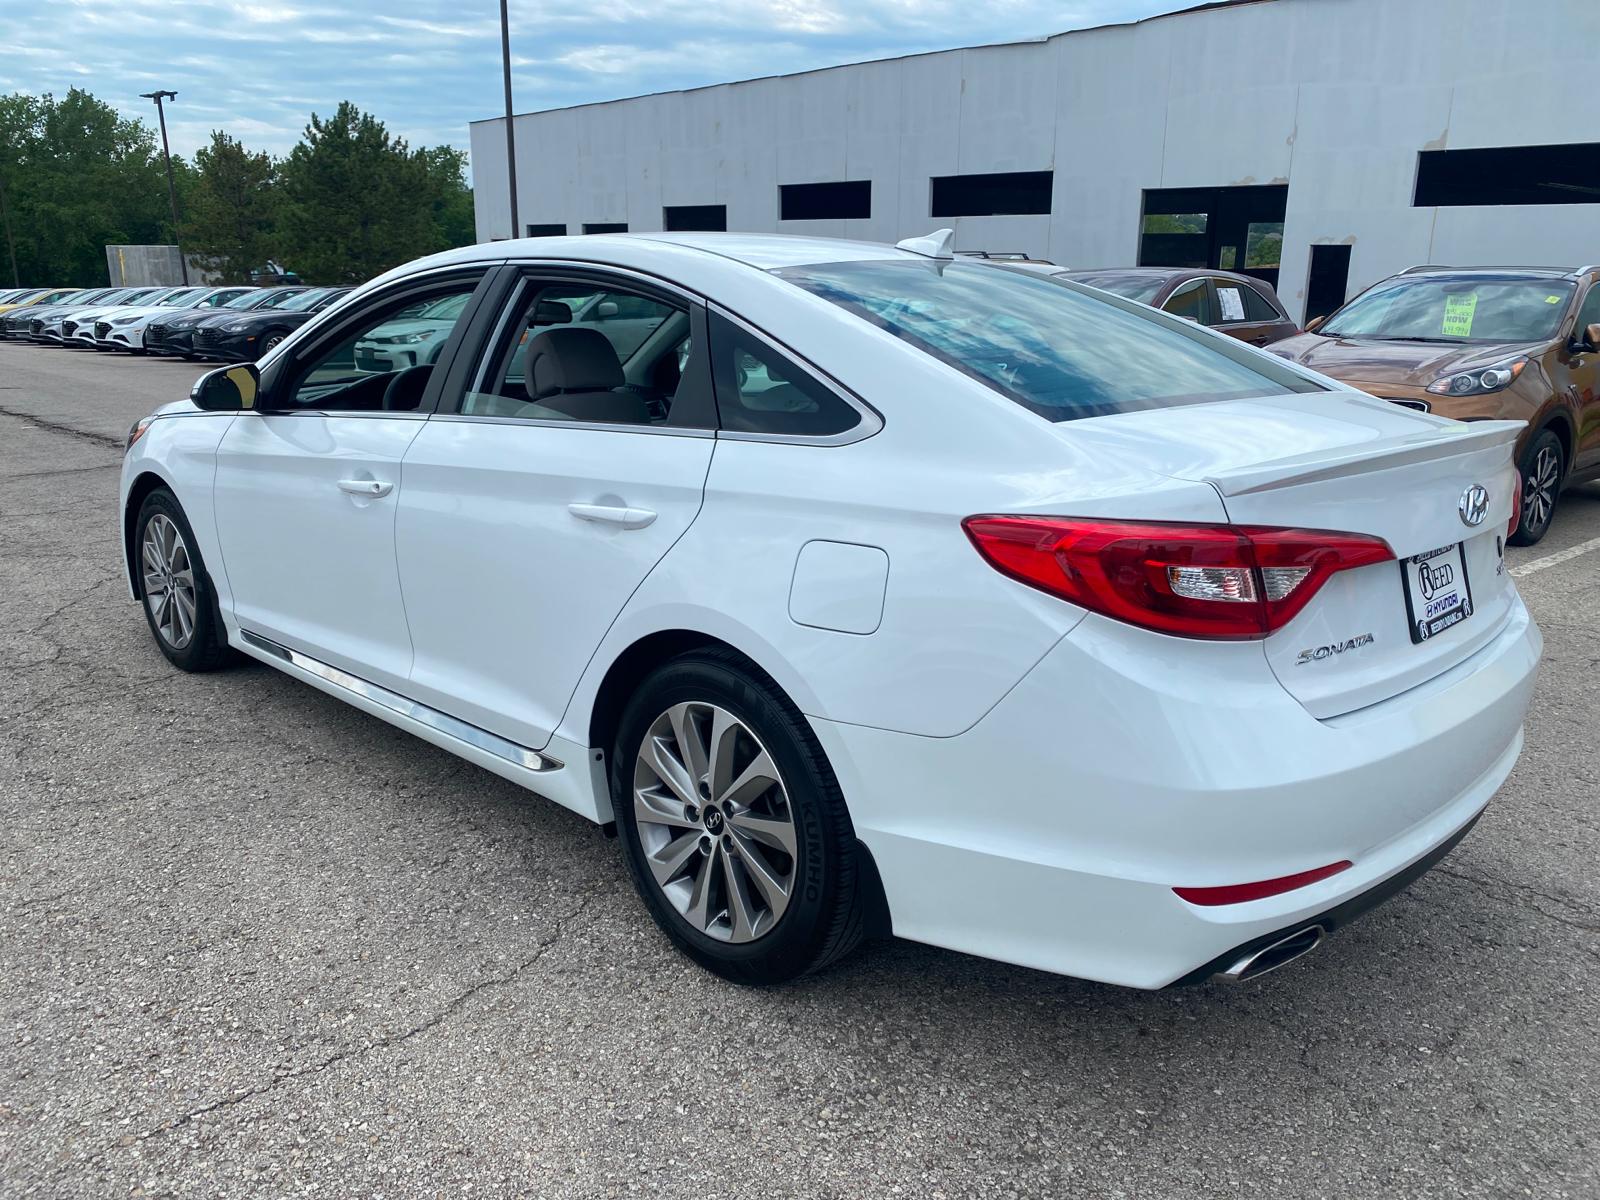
(1238, 893)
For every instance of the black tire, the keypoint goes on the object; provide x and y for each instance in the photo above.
(826, 915)
(206, 648)
(1543, 468)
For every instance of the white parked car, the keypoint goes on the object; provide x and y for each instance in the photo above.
(872, 589)
(124, 329)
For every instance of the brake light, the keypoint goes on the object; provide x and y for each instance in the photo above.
(1238, 893)
(1199, 581)
(1516, 507)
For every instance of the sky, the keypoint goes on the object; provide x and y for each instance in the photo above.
(259, 68)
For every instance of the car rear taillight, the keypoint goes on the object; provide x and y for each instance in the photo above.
(1200, 581)
(1516, 507)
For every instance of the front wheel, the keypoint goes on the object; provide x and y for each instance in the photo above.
(270, 343)
(175, 589)
(732, 823)
(1541, 467)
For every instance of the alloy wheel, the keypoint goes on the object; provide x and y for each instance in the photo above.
(168, 581)
(714, 822)
(1539, 488)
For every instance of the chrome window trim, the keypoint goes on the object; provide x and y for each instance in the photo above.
(871, 422)
(546, 423)
(441, 722)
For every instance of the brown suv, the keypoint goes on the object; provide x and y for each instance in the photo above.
(1477, 343)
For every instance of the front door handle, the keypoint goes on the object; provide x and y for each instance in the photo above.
(611, 514)
(366, 487)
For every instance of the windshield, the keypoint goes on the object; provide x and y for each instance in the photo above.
(182, 296)
(1058, 350)
(1135, 287)
(276, 298)
(247, 300)
(1434, 309)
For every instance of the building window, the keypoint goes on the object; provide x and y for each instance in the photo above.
(1568, 174)
(1005, 193)
(695, 218)
(605, 227)
(825, 201)
(547, 231)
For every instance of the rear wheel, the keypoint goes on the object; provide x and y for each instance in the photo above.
(1542, 469)
(732, 824)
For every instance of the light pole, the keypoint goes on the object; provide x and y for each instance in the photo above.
(511, 137)
(172, 192)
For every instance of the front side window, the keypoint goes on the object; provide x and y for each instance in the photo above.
(383, 361)
(1420, 308)
(583, 351)
(1056, 348)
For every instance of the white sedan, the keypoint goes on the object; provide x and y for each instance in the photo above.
(871, 589)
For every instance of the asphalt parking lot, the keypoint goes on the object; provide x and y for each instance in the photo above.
(254, 942)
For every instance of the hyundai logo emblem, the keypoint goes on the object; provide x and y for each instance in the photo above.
(1474, 506)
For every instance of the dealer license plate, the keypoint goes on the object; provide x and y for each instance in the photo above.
(1438, 593)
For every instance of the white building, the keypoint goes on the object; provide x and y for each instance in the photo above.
(1372, 134)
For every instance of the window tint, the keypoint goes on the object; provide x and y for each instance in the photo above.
(355, 374)
(1589, 314)
(585, 352)
(1562, 174)
(1002, 192)
(1257, 307)
(1059, 351)
(1423, 308)
(1191, 300)
(688, 218)
(825, 201)
(762, 390)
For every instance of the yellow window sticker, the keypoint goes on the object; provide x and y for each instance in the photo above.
(1552, 299)
(1458, 312)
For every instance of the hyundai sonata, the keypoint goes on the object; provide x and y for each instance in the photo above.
(862, 588)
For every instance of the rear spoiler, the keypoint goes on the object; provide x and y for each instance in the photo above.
(1458, 439)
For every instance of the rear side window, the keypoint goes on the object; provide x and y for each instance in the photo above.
(1056, 348)
(1257, 307)
(762, 390)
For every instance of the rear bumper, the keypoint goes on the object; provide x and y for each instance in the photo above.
(1052, 833)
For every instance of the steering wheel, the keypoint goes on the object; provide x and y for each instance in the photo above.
(405, 390)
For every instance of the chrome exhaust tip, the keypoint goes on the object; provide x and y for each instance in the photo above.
(1279, 954)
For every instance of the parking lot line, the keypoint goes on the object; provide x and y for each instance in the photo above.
(1559, 557)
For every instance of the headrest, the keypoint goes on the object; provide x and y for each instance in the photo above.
(570, 360)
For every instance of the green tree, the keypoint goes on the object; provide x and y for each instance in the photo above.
(355, 201)
(78, 177)
(449, 197)
(228, 208)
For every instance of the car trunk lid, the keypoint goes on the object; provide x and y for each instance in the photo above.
(1345, 462)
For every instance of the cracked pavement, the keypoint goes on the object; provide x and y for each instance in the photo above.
(256, 943)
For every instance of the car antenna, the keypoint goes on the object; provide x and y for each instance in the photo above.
(937, 244)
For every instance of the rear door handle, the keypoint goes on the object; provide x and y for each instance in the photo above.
(366, 487)
(610, 514)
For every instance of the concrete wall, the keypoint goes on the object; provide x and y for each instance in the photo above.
(1334, 97)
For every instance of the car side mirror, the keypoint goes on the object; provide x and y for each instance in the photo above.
(1315, 324)
(227, 389)
(606, 309)
(1591, 337)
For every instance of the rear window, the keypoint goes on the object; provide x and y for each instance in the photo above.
(1056, 349)
(1135, 287)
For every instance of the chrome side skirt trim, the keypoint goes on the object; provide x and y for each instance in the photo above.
(472, 735)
